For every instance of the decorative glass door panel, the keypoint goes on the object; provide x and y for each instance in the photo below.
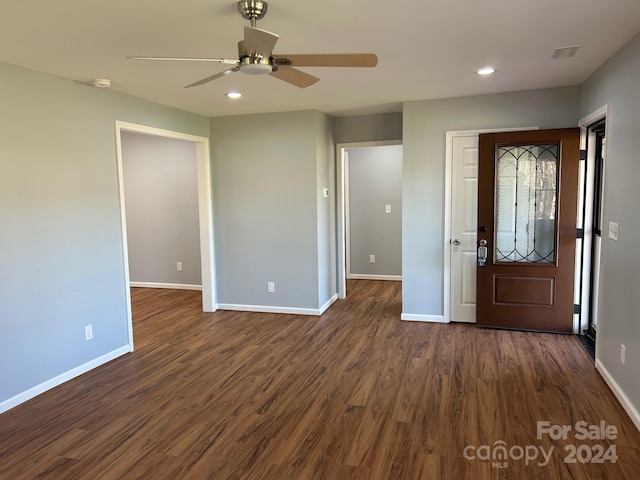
(526, 193)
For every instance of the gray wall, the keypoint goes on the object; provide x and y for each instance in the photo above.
(161, 204)
(616, 84)
(326, 208)
(375, 180)
(425, 125)
(61, 246)
(266, 173)
(368, 128)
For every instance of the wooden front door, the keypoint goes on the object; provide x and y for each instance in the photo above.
(527, 203)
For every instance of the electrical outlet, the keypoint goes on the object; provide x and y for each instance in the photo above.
(88, 332)
(372, 259)
(179, 266)
(271, 287)
(623, 351)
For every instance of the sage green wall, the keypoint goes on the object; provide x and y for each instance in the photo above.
(61, 247)
(616, 84)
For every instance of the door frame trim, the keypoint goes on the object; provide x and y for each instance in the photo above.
(585, 199)
(448, 202)
(205, 212)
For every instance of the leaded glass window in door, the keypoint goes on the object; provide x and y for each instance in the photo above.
(526, 201)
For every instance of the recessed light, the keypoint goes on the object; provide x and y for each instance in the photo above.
(101, 82)
(233, 95)
(486, 71)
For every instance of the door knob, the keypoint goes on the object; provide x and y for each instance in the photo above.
(456, 242)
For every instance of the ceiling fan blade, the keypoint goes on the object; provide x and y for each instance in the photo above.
(259, 42)
(213, 77)
(294, 76)
(328, 60)
(226, 61)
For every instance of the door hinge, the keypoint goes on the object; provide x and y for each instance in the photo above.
(583, 154)
(576, 309)
(579, 233)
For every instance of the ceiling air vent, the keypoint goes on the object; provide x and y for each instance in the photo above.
(565, 52)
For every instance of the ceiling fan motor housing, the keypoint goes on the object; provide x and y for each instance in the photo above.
(252, 10)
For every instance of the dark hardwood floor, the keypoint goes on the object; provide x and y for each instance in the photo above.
(353, 394)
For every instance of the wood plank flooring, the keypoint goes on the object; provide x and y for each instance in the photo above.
(353, 394)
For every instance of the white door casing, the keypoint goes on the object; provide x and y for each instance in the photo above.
(205, 212)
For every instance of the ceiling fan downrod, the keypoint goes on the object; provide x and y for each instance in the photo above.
(252, 10)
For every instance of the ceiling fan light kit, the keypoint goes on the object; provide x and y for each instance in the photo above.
(255, 66)
(256, 57)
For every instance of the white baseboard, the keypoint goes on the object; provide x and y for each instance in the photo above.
(60, 379)
(328, 303)
(631, 410)
(272, 309)
(365, 276)
(172, 286)
(415, 317)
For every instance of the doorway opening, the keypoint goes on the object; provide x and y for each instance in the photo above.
(205, 211)
(369, 207)
(462, 147)
(461, 223)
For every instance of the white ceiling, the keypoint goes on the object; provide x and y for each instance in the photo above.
(426, 48)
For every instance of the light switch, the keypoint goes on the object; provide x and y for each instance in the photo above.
(613, 231)
(325, 192)
(387, 209)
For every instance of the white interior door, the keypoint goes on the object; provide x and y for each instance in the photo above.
(464, 213)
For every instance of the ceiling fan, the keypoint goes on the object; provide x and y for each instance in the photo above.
(255, 54)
